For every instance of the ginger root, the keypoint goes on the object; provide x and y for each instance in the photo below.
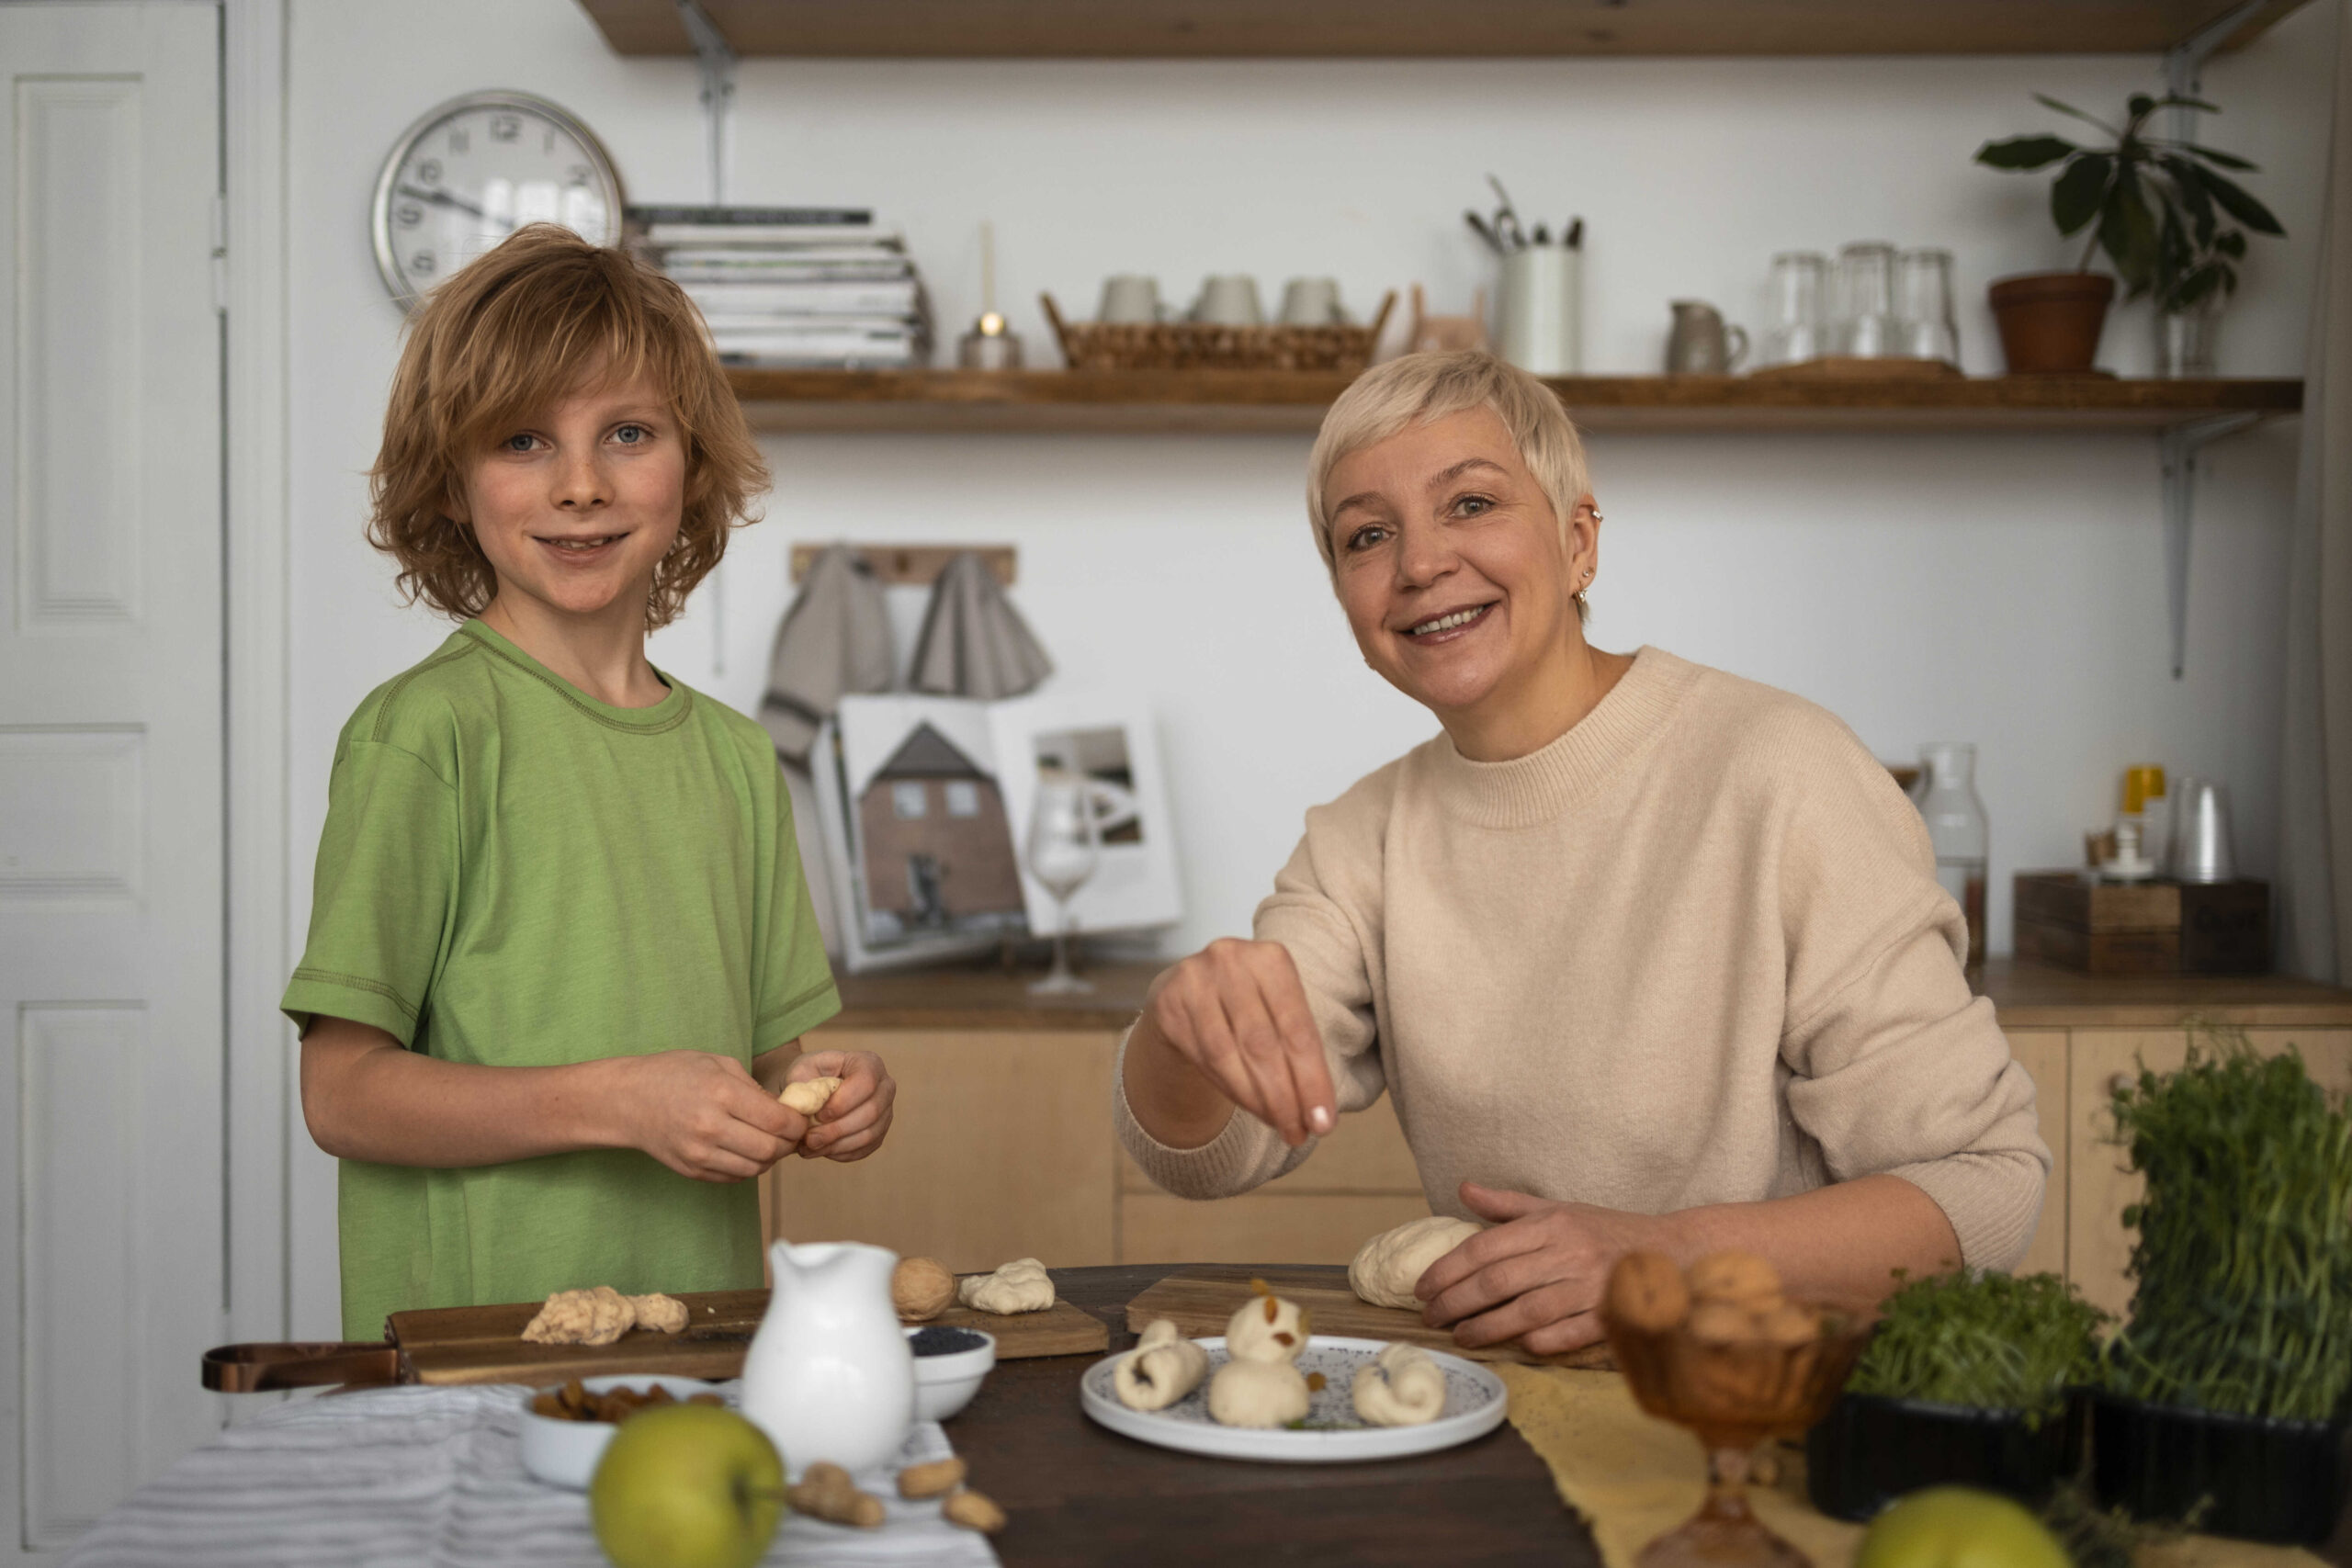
(931, 1480)
(826, 1491)
(973, 1511)
(921, 1288)
(809, 1096)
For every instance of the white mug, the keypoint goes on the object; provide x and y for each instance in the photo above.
(1229, 300)
(1129, 298)
(1539, 311)
(1311, 303)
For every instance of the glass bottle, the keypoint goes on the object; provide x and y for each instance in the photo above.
(1946, 795)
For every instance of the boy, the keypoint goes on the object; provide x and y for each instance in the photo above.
(560, 951)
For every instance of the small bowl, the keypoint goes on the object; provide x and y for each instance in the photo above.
(944, 1384)
(565, 1453)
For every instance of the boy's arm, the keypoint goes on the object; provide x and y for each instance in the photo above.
(366, 1098)
(856, 1118)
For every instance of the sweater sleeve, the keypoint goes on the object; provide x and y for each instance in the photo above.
(1318, 914)
(1898, 1069)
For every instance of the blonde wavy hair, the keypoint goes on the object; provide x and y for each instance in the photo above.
(1419, 387)
(540, 317)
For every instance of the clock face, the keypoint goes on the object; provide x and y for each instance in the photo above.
(476, 169)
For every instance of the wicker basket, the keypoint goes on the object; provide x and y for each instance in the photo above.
(1199, 345)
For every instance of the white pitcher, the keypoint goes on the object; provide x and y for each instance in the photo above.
(829, 1375)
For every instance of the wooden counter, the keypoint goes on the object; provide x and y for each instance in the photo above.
(1003, 1145)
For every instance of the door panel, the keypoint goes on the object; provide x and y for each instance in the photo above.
(2043, 1054)
(110, 756)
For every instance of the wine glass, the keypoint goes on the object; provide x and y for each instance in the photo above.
(1064, 844)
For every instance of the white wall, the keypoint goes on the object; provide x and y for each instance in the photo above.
(2008, 589)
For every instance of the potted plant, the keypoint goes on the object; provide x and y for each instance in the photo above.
(2159, 207)
(2229, 1382)
(1967, 1379)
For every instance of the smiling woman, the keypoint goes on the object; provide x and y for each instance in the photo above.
(1648, 957)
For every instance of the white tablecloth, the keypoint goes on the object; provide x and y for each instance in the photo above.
(412, 1477)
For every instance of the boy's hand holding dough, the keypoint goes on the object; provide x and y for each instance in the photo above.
(852, 1116)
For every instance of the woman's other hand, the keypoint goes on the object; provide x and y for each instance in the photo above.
(704, 1115)
(1536, 1275)
(857, 1118)
(1236, 1014)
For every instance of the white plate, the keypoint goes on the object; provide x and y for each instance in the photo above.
(1476, 1403)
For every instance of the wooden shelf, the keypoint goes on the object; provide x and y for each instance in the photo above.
(1236, 401)
(1414, 29)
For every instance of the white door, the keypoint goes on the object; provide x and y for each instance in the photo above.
(111, 1275)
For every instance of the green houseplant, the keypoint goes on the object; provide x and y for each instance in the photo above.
(2231, 1379)
(2162, 209)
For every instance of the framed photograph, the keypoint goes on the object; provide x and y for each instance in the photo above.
(918, 836)
(1110, 743)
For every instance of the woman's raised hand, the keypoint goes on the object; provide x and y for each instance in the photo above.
(1536, 1275)
(1236, 1013)
(705, 1116)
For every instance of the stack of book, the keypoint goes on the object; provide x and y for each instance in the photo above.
(793, 286)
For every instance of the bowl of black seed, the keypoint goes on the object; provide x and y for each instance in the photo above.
(950, 1365)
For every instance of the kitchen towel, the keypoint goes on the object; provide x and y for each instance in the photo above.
(833, 640)
(974, 643)
(1632, 1477)
(433, 1477)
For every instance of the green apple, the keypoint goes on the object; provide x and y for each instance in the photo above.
(686, 1486)
(1958, 1527)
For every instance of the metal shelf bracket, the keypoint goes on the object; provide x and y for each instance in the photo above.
(717, 59)
(2180, 447)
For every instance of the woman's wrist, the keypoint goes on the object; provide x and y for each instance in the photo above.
(1170, 1099)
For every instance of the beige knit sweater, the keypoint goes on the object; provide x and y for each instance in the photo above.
(1692, 952)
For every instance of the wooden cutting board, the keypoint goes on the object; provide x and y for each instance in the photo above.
(485, 1344)
(1200, 1300)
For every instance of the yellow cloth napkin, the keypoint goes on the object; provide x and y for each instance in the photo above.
(1632, 1477)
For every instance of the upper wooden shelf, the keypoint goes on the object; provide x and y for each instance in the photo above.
(1241, 402)
(1416, 29)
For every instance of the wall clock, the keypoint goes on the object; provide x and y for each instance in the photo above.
(474, 170)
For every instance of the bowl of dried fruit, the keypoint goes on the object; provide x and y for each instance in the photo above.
(565, 1428)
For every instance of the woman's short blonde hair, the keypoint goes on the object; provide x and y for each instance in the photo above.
(543, 316)
(1423, 387)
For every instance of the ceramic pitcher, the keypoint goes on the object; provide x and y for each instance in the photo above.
(829, 1375)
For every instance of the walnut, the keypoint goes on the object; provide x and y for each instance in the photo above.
(582, 1318)
(1646, 1293)
(1741, 1277)
(921, 1288)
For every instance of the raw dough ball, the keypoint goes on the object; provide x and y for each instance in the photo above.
(1022, 1285)
(1738, 1277)
(1646, 1293)
(1385, 1270)
(1162, 1369)
(921, 1288)
(663, 1314)
(1258, 1394)
(1403, 1387)
(582, 1318)
(809, 1096)
(1266, 1328)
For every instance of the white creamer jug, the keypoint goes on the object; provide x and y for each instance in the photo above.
(829, 1375)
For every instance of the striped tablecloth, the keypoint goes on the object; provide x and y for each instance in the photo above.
(412, 1477)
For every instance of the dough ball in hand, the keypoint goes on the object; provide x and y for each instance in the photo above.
(1258, 1394)
(1403, 1387)
(809, 1096)
(1022, 1285)
(1266, 1328)
(1386, 1267)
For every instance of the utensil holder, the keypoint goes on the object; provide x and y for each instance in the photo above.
(1539, 309)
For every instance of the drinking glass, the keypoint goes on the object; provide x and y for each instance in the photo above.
(1064, 845)
(1923, 306)
(1957, 827)
(1866, 324)
(1797, 332)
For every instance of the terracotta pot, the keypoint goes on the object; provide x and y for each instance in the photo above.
(2050, 321)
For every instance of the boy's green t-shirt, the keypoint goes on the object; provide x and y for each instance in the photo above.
(515, 874)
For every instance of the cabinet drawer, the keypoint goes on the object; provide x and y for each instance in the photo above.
(1000, 1148)
(1265, 1226)
(1366, 1153)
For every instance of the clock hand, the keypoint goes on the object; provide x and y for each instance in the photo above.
(444, 199)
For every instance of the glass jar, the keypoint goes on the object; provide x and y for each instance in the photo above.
(1923, 304)
(2185, 340)
(1957, 826)
(1866, 323)
(1799, 329)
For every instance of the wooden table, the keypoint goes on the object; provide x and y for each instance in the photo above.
(1079, 1495)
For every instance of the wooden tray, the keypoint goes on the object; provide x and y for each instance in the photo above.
(1202, 345)
(1199, 1299)
(484, 1344)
